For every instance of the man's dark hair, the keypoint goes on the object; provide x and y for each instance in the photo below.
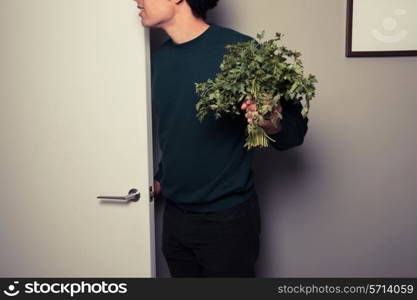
(200, 7)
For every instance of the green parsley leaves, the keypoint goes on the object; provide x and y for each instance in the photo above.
(262, 71)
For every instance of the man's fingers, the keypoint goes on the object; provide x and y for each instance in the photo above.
(277, 112)
(250, 107)
(250, 102)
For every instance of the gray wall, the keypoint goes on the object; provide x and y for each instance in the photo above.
(345, 202)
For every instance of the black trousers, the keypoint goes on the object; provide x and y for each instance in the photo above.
(213, 244)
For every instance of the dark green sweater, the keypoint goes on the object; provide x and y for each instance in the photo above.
(205, 166)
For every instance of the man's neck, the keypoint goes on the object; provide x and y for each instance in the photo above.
(186, 30)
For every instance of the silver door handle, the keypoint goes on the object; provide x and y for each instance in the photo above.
(133, 196)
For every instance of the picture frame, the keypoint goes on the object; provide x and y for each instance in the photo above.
(381, 28)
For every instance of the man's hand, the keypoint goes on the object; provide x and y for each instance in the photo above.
(267, 125)
(157, 186)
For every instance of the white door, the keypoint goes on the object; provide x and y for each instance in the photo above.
(75, 124)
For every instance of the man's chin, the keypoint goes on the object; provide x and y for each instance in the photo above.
(147, 24)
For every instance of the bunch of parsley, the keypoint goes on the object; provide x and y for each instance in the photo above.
(264, 72)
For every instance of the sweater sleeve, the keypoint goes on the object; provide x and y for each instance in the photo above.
(294, 128)
(159, 173)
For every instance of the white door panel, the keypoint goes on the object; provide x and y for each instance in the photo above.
(74, 124)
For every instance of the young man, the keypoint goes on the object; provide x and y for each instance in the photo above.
(211, 221)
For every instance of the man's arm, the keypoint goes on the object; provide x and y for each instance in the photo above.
(293, 127)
